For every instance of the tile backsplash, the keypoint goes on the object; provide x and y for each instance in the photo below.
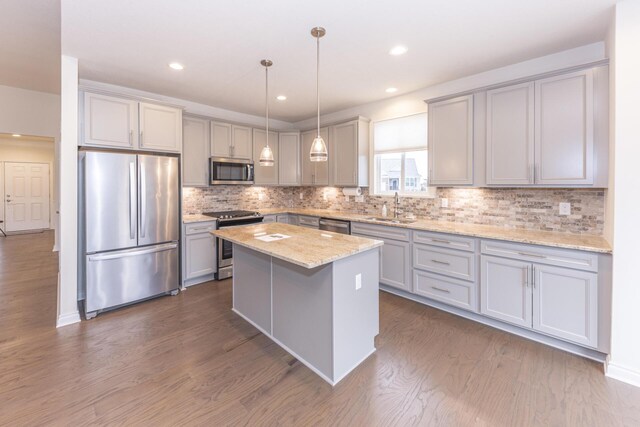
(509, 207)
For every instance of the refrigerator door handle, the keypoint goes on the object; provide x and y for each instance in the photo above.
(134, 252)
(143, 200)
(132, 200)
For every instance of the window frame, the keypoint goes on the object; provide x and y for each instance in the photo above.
(375, 164)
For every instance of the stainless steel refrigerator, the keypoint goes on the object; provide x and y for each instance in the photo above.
(130, 227)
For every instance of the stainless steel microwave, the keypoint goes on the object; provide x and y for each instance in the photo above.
(230, 171)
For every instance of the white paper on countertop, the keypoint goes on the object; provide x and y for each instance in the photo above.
(273, 237)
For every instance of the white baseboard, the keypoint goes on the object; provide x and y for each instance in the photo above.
(622, 373)
(68, 319)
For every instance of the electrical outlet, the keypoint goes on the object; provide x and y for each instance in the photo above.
(565, 208)
(346, 198)
(444, 203)
(301, 196)
(360, 199)
(260, 196)
(358, 281)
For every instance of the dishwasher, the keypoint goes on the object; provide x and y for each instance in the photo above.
(335, 225)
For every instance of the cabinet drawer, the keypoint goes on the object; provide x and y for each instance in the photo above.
(444, 261)
(449, 291)
(308, 221)
(385, 232)
(200, 227)
(269, 218)
(560, 257)
(444, 240)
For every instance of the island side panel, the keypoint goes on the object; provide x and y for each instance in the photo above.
(302, 318)
(355, 311)
(252, 286)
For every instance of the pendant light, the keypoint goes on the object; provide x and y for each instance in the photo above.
(266, 155)
(318, 147)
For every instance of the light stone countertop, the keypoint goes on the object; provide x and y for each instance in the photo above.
(188, 219)
(584, 242)
(306, 247)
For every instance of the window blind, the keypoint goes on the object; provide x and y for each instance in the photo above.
(402, 134)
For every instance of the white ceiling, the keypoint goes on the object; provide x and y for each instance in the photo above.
(221, 43)
(30, 44)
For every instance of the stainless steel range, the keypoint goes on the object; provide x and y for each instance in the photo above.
(224, 248)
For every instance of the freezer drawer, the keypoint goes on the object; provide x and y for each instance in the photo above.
(121, 277)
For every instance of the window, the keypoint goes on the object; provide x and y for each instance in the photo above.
(400, 156)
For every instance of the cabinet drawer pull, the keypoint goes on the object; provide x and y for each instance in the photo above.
(441, 241)
(440, 262)
(446, 291)
(531, 255)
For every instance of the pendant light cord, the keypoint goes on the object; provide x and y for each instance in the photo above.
(266, 70)
(318, 78)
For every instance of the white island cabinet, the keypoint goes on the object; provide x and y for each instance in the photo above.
(314, 293)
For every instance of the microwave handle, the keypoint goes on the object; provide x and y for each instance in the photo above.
(249, 172)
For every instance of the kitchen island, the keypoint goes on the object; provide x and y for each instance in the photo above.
(314, 293)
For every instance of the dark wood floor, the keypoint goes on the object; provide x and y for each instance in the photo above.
(188, 360)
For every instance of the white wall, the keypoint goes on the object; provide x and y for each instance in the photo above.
(414, 102)
(68, 277)
(29, 113)
(624, 363)
(27, 150)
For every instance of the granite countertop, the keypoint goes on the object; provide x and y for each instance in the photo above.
(585, 242)
(306, 247)
(187, 219)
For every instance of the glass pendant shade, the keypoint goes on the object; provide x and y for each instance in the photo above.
(318, 150)
(266, 156)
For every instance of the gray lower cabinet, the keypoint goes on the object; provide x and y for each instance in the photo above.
(565, 304)
(308, 221)
(557, 301)
(395, 254)
(270, 218)
(199, 262)
(505, 291)
(459, 293)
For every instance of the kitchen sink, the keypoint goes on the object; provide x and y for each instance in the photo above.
(391, 220)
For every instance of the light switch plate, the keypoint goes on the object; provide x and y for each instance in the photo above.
(360, 199)
(565, 208)
(444, 203)
(358, 281)
(301, 196)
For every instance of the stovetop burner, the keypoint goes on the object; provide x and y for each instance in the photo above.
(232, 214)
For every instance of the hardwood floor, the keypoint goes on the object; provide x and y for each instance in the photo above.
(188, 360)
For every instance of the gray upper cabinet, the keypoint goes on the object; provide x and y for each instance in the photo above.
(564, 129)
(233, 141)
(221, 142)
(242, 142)
(114, 122)
(289, 158)
(110, 121)
(450, 137)
(160, 128)
(505, 292)
(314, 173)
(265, 175)
(565, 304)
(195, 152)
(510, 135)
(349, 159)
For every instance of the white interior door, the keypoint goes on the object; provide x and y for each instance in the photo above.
(26, 196)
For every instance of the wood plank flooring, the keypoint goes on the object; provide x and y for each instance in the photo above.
(188, 360)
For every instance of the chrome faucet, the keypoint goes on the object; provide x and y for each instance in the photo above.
(396, 208)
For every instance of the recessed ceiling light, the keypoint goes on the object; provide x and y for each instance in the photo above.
(391, 90)
(398, 50)
(16, 135)
(281, 98)
(176, 66)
